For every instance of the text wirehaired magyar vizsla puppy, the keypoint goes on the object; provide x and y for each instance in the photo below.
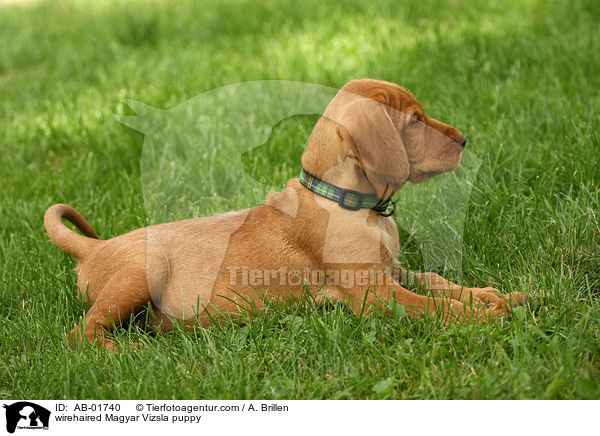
(331, 222)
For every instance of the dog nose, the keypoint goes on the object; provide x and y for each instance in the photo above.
(462, 140)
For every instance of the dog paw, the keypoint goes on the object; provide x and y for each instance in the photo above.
(490, 296)
(485, 296)
(457, 312)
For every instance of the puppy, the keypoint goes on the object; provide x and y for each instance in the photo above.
(331, 223)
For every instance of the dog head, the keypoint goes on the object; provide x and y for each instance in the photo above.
(386, 133)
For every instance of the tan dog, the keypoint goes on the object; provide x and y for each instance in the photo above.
(373, 138)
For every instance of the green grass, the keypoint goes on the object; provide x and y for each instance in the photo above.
(521, 79)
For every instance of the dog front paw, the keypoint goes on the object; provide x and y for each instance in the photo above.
(456, 312)
(491, 296)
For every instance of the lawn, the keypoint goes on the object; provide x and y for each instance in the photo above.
(521, 79)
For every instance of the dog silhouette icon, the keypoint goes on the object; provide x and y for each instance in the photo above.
(31, 414)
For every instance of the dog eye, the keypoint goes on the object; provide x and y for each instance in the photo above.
(414, 120)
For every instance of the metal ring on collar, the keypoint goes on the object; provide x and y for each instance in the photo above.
(387, 213)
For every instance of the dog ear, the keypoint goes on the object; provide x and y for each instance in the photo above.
(367, 129)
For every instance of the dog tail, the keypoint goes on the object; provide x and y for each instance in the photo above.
(71, 242)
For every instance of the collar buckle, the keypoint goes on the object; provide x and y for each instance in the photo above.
(348, 204)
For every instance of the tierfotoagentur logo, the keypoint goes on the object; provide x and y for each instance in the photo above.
(25, 415)
(313, 278)
(192, 166)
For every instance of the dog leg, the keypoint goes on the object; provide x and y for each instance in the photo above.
(440, 287)
(119, 298)
(415, 305)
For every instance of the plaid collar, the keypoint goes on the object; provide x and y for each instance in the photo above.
(346, 198)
